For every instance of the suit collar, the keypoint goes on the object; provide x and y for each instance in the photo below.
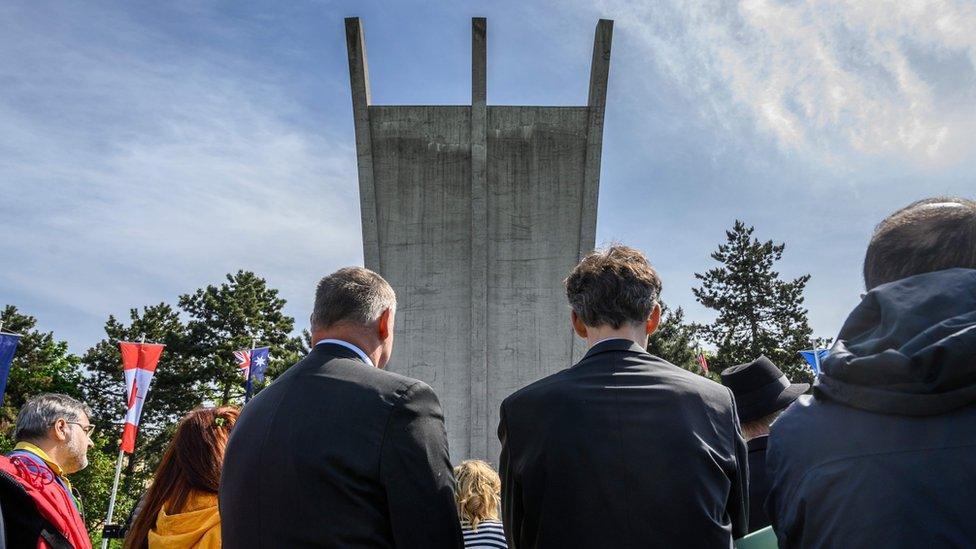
(361, 353)
(615, 344)
(758, 444)
(337, 351)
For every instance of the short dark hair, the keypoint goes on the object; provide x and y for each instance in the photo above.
(928, 235)
(353, 294)
(613, 287)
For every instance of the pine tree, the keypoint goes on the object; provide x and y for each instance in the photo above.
(42, 364)
(174, 385)
(226, 318)
(758, 313)
(674, 340)
(173, 392)
(196, 368)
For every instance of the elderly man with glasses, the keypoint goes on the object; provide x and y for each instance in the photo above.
(53, 435)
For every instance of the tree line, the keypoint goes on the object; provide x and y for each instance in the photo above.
(197, 368)
(756, 313)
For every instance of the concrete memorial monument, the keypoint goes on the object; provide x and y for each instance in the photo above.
(475, 214)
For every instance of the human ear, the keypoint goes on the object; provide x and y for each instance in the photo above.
(384, 326)
(578, 325)
(61, 430)
(654, 320)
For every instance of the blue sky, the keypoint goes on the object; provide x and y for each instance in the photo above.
(148, 148)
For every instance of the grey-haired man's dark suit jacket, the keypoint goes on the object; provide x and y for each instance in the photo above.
(337, 453)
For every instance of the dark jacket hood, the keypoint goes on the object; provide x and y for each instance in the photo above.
(908, 348)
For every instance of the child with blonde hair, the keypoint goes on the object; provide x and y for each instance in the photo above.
(478, 500)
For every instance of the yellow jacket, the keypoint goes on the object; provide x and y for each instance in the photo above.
(196, 527)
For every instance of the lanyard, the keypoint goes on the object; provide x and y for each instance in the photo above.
(41, 463)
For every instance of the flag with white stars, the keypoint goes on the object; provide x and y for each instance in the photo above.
(259, 362)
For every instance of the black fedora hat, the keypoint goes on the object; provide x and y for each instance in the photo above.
(760, 388)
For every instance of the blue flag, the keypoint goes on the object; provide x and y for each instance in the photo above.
(259, 362)
(8, 346)
(812, 360)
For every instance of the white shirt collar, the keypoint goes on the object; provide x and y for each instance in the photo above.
(349, 346)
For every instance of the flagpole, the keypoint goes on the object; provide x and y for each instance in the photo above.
(115, 483)
(816, 357)
(111, 500)
(248, 385)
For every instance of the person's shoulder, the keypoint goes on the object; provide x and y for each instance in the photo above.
(687, 383)
(538, 389)
(802, 415)
(389, 387)
(8, 466)
(801, 431)
(365, 375)
(803, 438)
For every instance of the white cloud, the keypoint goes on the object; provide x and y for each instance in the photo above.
(834, 79)
(133, 170)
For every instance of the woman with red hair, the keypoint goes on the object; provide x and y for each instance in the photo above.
(180, 509)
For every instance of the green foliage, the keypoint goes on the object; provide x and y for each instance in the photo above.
(674, 340)
(173, 385)
(196, 368)
(226, 318)
(174, 392)
(758, 314)
(42, 365)
(94, 482)
(6, 443)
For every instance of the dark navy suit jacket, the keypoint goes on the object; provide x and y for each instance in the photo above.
(758, 483)
(337, 453)
(622, 450)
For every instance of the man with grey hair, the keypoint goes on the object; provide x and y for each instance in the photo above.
(338, 452)
(622, 449)
(53, 435)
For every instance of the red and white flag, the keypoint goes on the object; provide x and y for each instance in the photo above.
(139, 362)
(703, 363)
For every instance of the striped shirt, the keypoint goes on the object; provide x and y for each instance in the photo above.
(489, 535)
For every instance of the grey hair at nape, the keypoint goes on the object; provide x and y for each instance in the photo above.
(41, 411)
(354, 294)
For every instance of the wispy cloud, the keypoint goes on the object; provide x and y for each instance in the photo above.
(133, 169)
(833, 79)
(148, 149)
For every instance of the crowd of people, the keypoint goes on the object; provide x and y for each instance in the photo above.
(621, 449)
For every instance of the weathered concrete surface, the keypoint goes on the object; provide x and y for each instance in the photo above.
(475, 215)
(535, 159)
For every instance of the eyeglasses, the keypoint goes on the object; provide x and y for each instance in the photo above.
(88, 429)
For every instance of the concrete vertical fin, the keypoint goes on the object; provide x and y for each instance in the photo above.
(361, 99)
(474, 214)
(596, 103)
(480, 431)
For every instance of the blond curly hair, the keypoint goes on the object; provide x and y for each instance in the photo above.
(478, 489)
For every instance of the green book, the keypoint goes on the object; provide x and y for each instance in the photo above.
(760, 539)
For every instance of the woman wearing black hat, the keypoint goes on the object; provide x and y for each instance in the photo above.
(761, 393)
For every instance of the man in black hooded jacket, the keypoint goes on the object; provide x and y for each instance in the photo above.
(884, 452)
